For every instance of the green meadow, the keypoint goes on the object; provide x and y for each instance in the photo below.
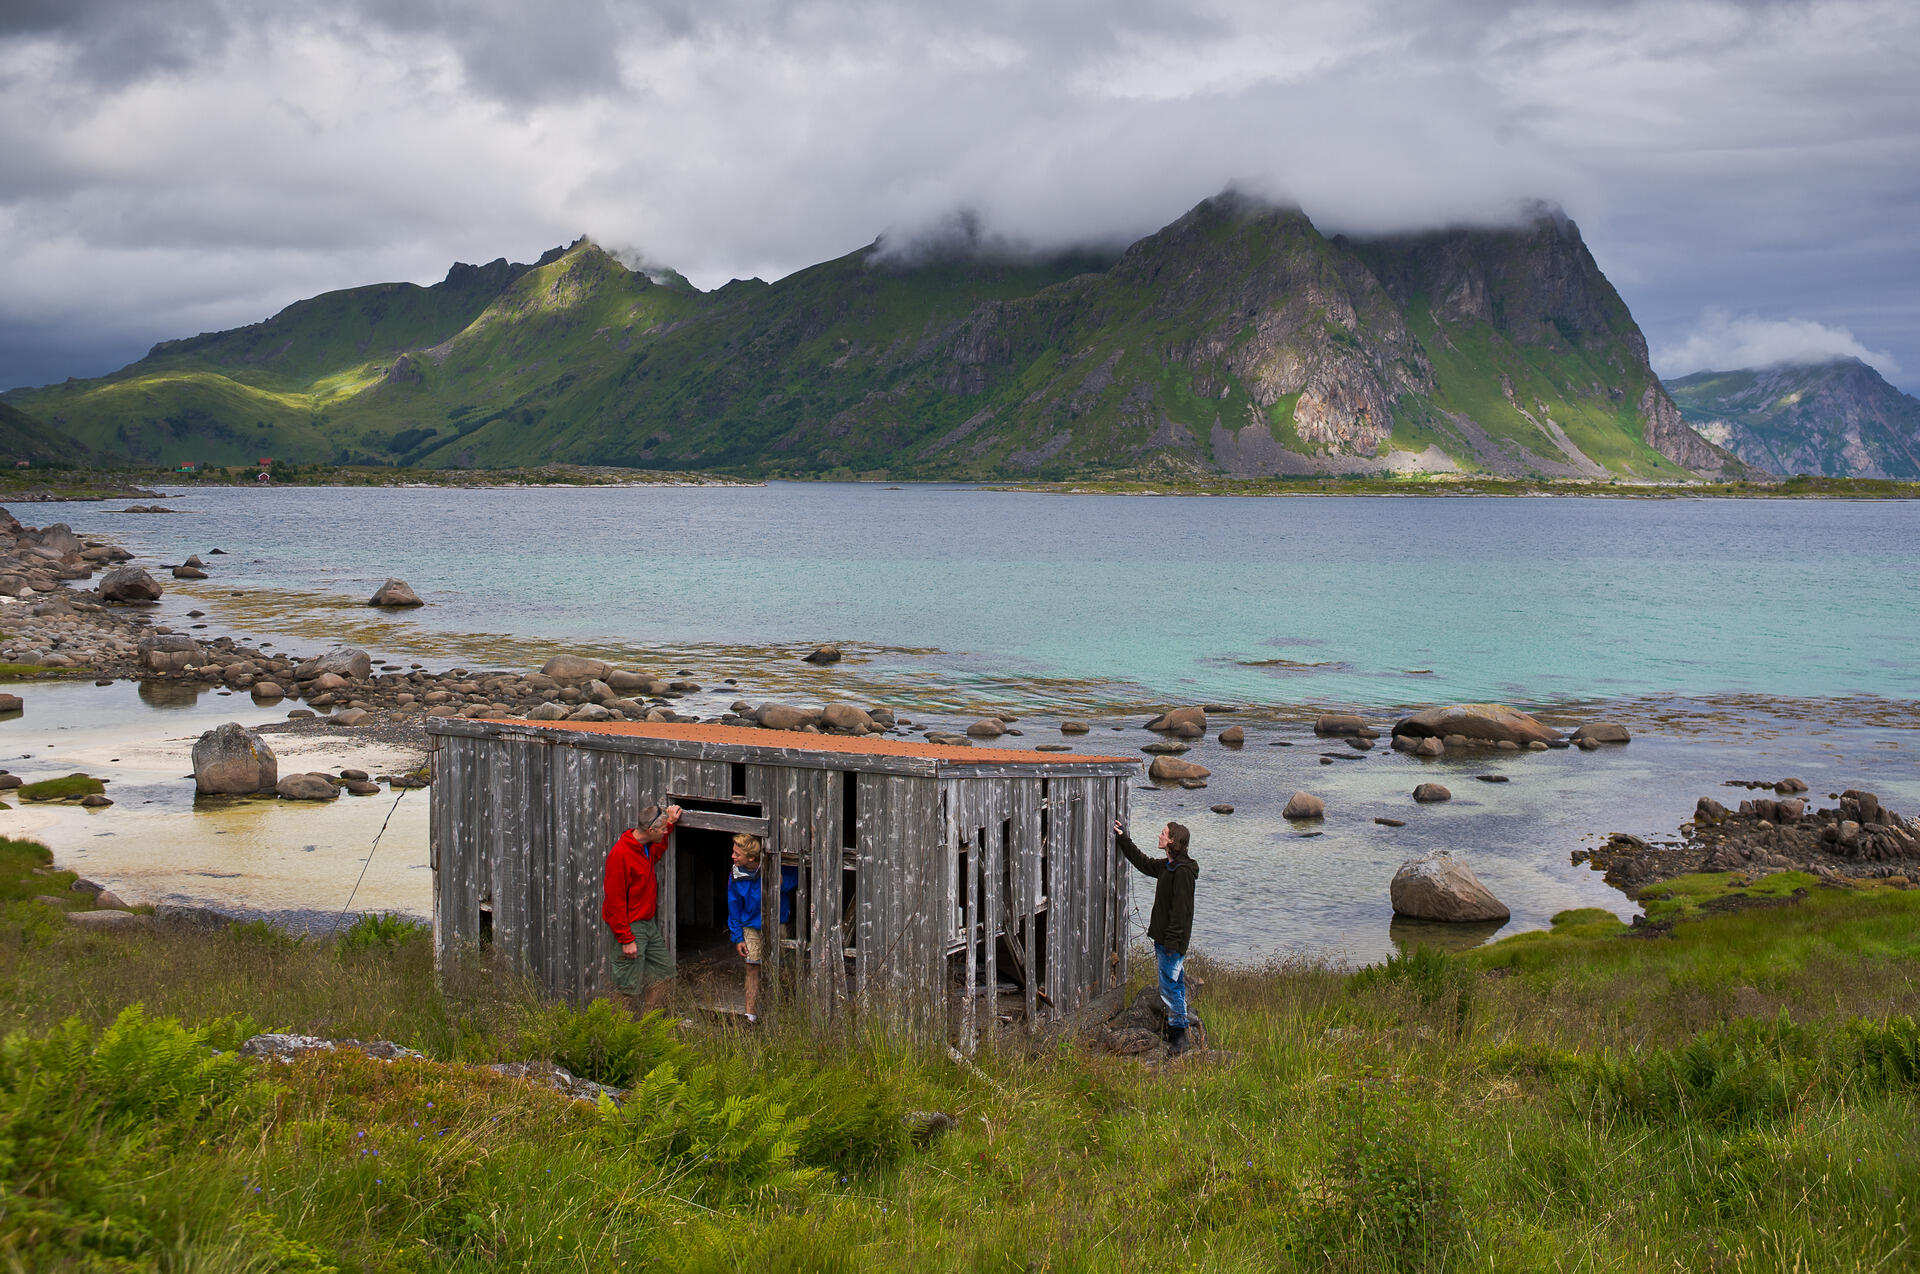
(1738, 1093)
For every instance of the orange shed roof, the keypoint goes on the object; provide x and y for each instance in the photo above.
(750, 736)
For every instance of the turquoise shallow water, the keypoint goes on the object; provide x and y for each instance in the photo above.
(1376, 602)
(1739, 639)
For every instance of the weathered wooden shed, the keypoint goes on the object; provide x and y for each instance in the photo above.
(939, 884)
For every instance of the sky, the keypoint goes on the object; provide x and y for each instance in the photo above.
(1747, 174)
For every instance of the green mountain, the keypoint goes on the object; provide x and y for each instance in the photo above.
(24, 438)
(1833, 419)
(1239, 339)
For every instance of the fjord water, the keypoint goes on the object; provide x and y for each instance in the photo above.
(1739, 639)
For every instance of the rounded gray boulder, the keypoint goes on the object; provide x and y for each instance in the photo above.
(1438, 886)
(231, 760)
(128, 584)
(307, 787)
(395, 592)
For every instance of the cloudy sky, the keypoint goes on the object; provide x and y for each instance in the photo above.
(1748, 174)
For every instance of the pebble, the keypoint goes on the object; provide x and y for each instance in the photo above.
(1390, 822)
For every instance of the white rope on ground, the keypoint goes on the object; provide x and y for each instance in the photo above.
(369, 859)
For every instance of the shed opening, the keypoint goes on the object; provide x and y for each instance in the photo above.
(702, 859)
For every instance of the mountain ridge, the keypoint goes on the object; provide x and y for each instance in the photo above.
(1236, 339)
(1828, 418)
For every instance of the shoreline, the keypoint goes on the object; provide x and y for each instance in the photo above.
(384, 705)
(95, 486)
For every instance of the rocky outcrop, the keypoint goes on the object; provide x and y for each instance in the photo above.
(1478, 722)
(1438, 886)
(1667, 433)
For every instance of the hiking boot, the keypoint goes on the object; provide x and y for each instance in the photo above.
(1177, 1041)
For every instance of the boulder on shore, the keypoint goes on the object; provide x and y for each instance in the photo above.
(1304, 805)
(231, 760)
(128, 584)
(1494, 723)
(1233, 736)
(573, 670)
(847, 717)
(395, 592)
(169, 652)
(987, 728)
(1171, 769)
(782, 716)
(1438, 886)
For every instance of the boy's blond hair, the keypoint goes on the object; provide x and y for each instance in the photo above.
(747, 841)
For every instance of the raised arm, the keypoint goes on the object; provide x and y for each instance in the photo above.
(1146, 866)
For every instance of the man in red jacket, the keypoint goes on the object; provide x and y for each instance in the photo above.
(641, 961)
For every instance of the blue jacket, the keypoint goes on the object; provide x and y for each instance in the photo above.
(743, 900)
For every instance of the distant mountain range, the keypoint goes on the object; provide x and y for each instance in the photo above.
(1239, 339)
(1836, 419)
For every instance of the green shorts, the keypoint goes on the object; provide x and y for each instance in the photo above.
(650, 963)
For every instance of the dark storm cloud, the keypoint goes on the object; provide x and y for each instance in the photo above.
(1747, 173)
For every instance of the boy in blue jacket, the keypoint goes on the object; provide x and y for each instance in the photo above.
(743, 910)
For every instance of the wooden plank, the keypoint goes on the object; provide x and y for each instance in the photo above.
(764, 786)
(1035, 769)
(724, 822)
(827, 962)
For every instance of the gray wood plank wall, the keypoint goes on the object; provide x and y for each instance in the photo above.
(521, 826)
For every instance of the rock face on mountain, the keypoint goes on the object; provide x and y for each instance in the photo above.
(1836, 419)
(1238, 339)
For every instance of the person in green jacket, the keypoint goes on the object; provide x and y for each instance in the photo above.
(1171, 925)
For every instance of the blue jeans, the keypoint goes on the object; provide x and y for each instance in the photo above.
(1173, 984)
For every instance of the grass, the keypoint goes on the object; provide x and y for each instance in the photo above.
(35, 672)
(68, 788)
(1573, 1099)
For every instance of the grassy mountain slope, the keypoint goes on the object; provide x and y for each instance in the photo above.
(24, 438)
(1238, 339)
(1832, 419)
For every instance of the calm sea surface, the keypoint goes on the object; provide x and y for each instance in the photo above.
(1739, 639)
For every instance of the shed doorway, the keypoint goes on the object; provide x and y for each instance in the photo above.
(702, 859)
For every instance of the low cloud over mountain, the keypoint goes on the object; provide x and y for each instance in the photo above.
(176, 166)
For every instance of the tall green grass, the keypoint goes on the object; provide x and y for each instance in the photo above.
(1741, 1094)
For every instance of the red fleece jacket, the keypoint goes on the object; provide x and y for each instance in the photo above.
(630, 884)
